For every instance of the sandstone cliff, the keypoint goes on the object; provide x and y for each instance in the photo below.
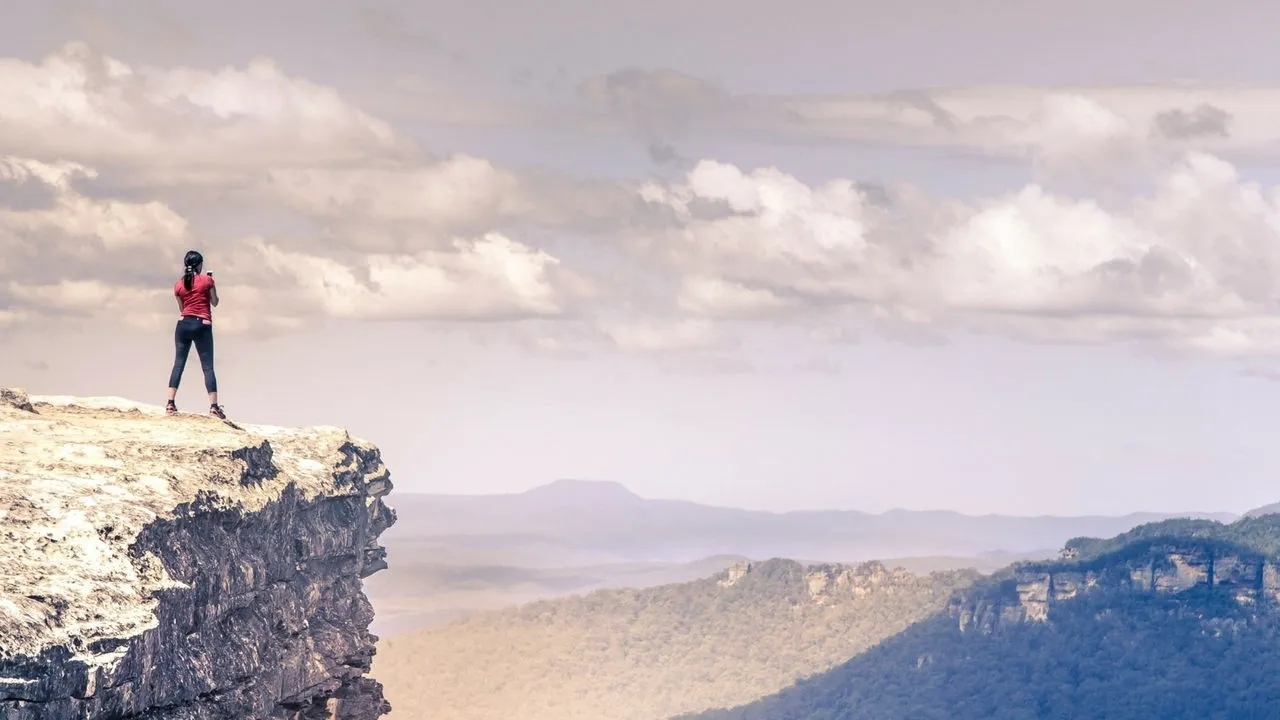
(182, 567)
(1028, 592)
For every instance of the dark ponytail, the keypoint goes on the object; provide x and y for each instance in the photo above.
(192, 261)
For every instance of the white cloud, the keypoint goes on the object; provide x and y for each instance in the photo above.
(1077, 133)
(488, 277)
(776, 237)
(79, 105)
(1196, 264)
(389, 233)
(74, 233)
(114, 224)
(56, 175)
(131, 306)
(714, 296)
(82, 256)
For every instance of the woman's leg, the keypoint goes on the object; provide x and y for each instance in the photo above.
(181, 349)
(204, 348)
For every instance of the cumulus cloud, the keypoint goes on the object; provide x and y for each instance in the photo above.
(92, 257)
(490, 277)
(113, 225)
(46, 250)
(1193, 264)
(79, 105)
(1077, 133)
(381, 231)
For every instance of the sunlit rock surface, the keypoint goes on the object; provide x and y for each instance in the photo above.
(183, 567)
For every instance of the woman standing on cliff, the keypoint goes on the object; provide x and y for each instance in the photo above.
(196, 296)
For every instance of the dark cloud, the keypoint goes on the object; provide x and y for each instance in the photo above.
(664, 154)
(29, 195)
(875, 193)
(922, 100)
(1205, 120)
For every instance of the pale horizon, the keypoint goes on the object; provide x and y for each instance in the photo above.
(540, 486)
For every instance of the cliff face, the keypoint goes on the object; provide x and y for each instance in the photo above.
(828, 582)
(1031, 591)
(183, 567)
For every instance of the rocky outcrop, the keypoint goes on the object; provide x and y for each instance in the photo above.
(183, 567)
(831, 582)
(1030, 591)
(827, 583)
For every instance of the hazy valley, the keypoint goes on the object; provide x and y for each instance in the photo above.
(582, 600)
(459, 554)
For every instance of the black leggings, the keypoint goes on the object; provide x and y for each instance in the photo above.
(193, 330)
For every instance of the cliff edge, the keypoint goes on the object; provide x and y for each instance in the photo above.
(183, 567)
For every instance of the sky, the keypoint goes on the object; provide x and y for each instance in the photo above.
(991, 257)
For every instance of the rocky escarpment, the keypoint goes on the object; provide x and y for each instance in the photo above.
(1028, 592)
(183, 567)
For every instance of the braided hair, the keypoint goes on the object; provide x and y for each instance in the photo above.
(192, 261)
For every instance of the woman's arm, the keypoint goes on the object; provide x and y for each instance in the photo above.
(213, 296)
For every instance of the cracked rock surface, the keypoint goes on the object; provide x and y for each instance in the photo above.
(183, 567)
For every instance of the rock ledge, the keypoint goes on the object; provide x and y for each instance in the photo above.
(183, 567)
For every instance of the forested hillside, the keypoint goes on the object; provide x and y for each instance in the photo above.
(1198, 638)
(650, 654)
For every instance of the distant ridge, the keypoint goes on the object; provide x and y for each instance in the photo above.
(583, 491)
(577, 489)
(1271, 509)
(594, 522)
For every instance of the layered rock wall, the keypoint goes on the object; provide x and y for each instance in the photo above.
(1161, 567)
(183, 567)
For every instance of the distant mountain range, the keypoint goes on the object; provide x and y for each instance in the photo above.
(571, 523)
(453, 555)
